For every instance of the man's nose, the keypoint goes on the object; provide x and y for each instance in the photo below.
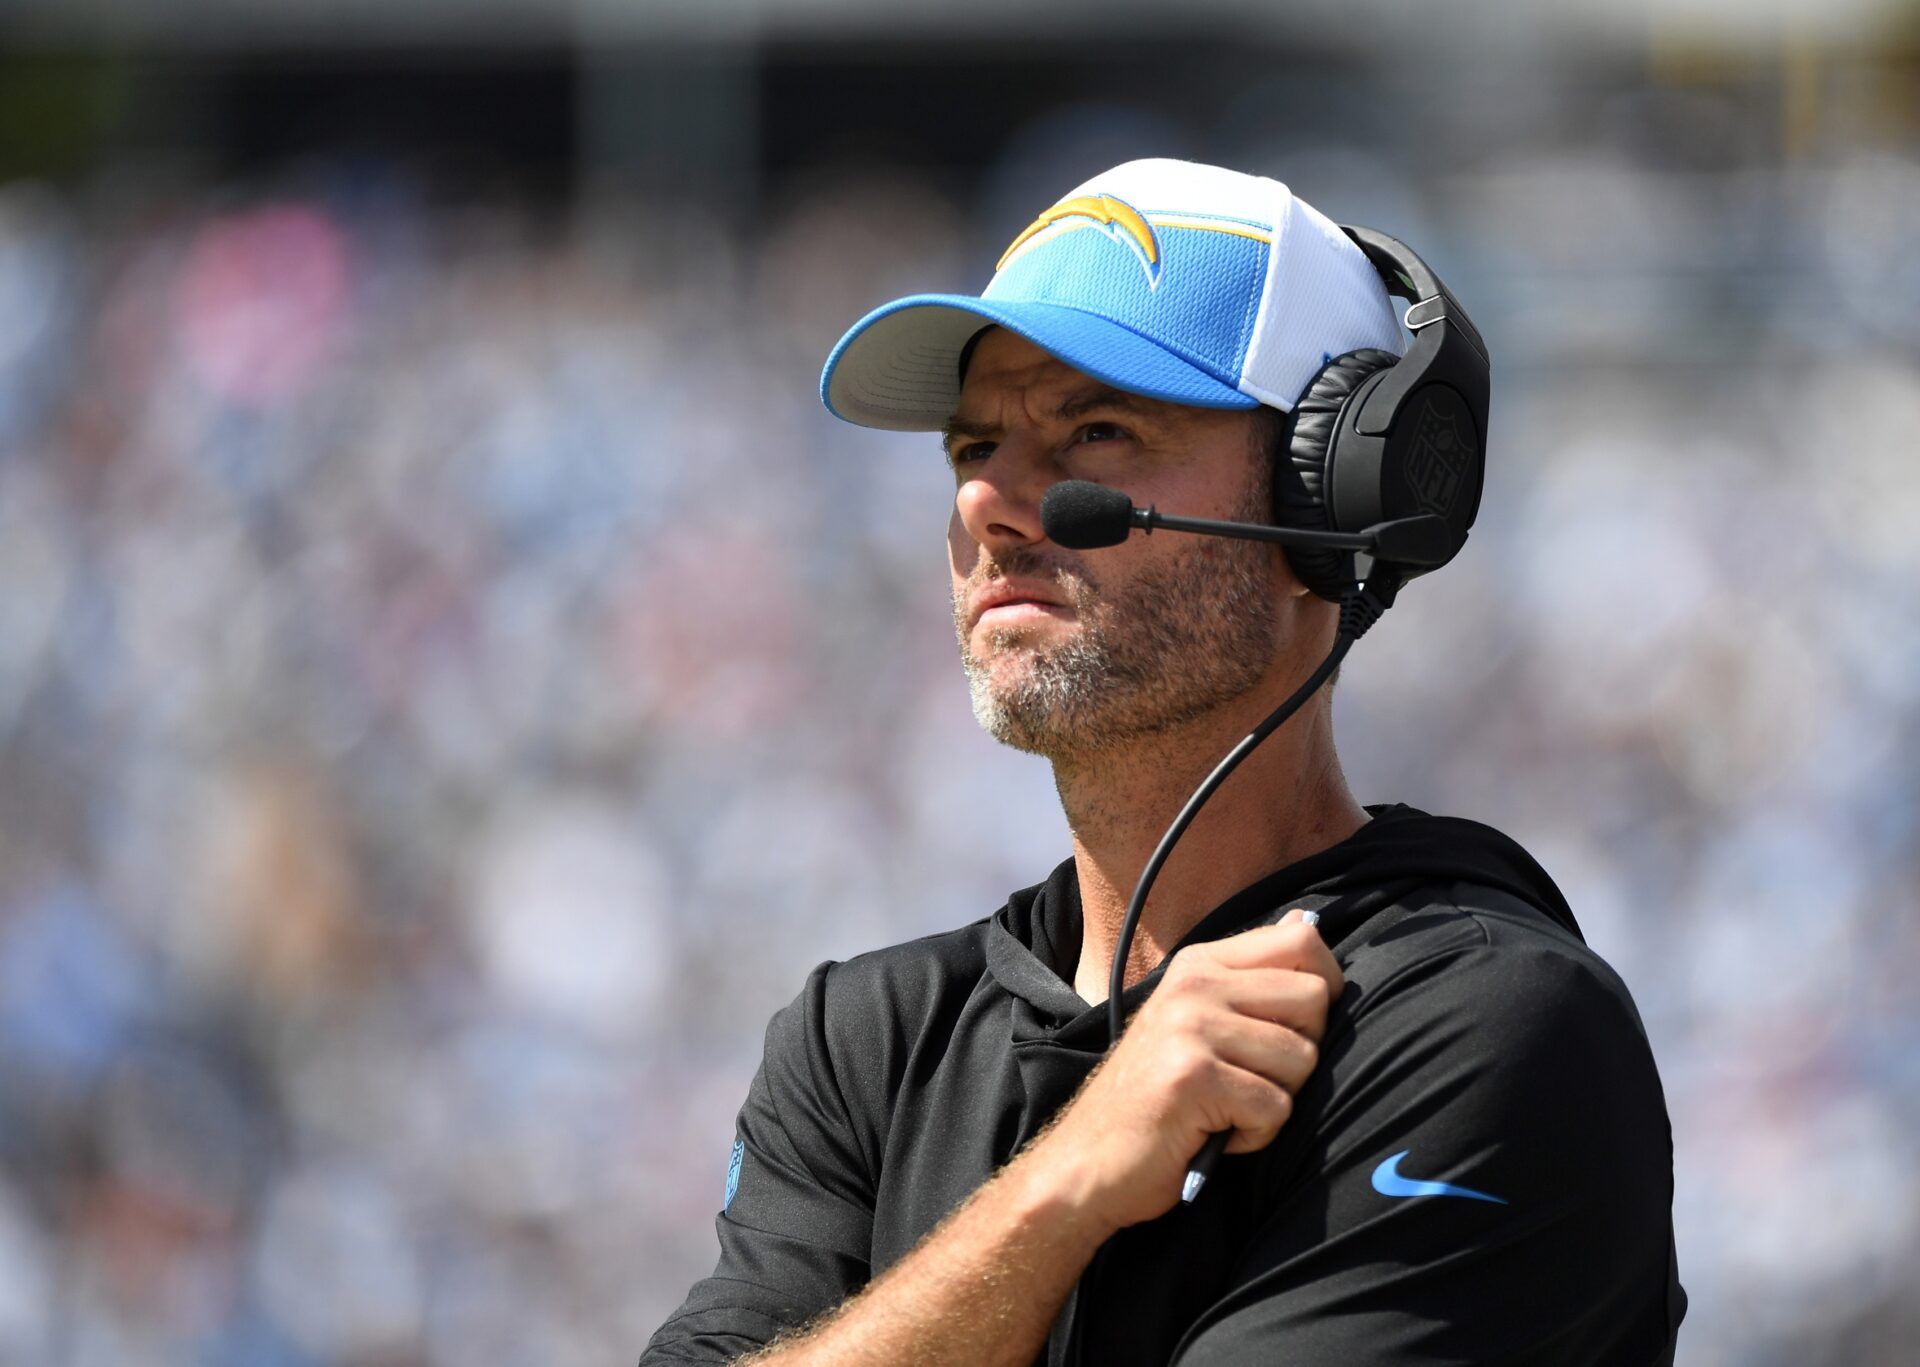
(999, 505)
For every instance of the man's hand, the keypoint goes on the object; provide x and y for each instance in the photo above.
(1231, 1033)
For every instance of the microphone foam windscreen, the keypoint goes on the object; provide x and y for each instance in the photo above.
(1083, 516)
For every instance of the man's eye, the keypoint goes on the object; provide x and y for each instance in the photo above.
(1101, 431)
(973, 450)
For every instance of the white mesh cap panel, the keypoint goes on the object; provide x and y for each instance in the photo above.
(1323, 298)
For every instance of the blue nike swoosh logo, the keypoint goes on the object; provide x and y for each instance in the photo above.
(1388, 1182)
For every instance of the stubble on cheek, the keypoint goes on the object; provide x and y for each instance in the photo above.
(1180, 639)
(1025, 680)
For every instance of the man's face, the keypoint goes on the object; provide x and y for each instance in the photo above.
(1072, 652)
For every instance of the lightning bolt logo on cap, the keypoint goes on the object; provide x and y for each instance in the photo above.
(1115, 217)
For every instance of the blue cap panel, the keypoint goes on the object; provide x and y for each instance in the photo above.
(1202, 309)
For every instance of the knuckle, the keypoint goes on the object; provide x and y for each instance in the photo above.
(1264, 1115)
(1188, 972)
(1205, 951)
(1189, 1069)
(1183, 1016)
(1309, 1053)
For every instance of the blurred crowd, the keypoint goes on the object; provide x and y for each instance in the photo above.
(455, 680)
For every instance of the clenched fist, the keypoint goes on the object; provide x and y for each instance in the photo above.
(1231, 1033)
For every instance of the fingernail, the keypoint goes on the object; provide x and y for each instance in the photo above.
(1309, 918)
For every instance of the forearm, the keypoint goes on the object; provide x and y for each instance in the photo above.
(982, 1289)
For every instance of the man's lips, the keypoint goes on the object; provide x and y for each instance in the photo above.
(1009, 598)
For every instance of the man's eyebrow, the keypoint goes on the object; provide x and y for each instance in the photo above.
(1087, 401)
(957, 426)
(1073, 406)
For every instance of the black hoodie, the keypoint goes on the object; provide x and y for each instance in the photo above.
(1480, 1169)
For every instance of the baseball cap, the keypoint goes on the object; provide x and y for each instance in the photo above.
(1170, 279)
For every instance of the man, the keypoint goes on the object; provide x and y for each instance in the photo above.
(1448, 1137)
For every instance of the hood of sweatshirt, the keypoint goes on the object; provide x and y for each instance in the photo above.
(1033, 943)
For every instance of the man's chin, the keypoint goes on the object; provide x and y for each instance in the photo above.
(1008, 703)
(1015, 728)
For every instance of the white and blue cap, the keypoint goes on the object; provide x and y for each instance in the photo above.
(1170, 279)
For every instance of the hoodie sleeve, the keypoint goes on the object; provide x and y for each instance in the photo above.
(796, 1226)
(1488, 1179)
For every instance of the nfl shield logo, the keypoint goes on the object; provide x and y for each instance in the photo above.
(1438, 458)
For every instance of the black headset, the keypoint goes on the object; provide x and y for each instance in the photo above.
(1375, 438)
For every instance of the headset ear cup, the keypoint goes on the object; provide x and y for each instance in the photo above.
(1301, 470)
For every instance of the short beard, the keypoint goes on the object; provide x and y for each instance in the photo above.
(1175, 644)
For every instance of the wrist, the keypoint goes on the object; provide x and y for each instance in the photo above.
(1051, 1189)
